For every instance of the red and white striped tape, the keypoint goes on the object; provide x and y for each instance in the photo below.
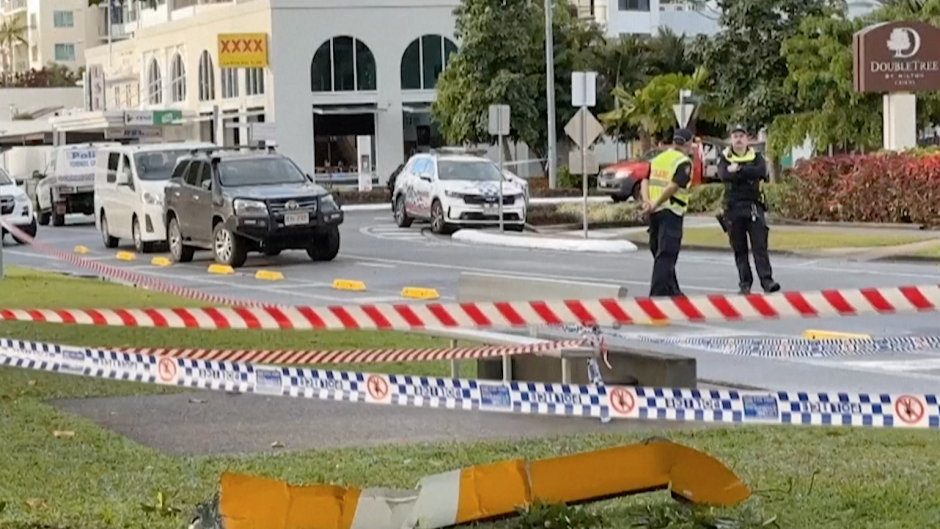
(121, 274)
(604, 312)
(360, 356)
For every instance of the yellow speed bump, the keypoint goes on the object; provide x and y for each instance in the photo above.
(222, 270)
(160, 261)
(269, 275)
(83, 250)
(833, 335)
(126, 256)
(349, 284)
(419, 293)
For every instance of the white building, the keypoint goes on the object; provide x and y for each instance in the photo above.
(54, 31)
(645, 17)
(343, 68)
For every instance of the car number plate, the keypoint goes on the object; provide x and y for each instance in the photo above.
(293, 219)
(491, 208)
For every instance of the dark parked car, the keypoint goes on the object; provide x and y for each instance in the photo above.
(391, 184)
(234, 202)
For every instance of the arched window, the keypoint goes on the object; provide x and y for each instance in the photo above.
(206, 78)
(154, 83)
(424, 60)
(343, 64)
(177, 79)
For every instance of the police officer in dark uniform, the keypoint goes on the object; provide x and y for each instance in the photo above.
(666, 199)
(742, 170)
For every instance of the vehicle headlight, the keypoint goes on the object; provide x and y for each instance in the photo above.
(153, 199)
(623, 174)
(250, 208)
(455, 194)
(329, 202)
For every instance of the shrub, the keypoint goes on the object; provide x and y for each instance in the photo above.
(885, 187)
(706, 198)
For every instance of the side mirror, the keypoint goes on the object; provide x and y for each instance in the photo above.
(37, 175)
(207, 184)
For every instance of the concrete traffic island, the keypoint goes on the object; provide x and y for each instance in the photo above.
(495, 238)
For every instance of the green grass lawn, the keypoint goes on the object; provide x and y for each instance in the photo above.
(790, 240)
(809, 478)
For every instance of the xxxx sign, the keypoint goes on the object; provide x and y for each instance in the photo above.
(243, 50)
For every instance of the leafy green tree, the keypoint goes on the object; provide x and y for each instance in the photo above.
(828, 110)
(501, 60)
(12, 33)
(748, 70)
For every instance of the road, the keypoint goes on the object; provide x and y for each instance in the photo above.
(386, 259)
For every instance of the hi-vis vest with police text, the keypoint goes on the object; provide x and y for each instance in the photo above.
(662, 171)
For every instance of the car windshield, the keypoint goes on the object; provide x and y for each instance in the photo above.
(157, 165)
(267, 171)
(474, 171)
(5, 179)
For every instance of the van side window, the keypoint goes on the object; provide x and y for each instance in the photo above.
(179, 171)
(192, 176)
(126, 168)
(114, 160)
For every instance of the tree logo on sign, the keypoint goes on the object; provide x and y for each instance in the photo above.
(377, 387)
(909, 409)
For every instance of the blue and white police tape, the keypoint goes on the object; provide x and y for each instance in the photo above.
(571, 400)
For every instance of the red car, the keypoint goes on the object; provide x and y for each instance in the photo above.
(622, 179)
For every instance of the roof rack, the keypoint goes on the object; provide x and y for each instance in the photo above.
(459, 150)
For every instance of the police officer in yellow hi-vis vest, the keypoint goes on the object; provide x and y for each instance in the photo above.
(742, 170)
(666, 198)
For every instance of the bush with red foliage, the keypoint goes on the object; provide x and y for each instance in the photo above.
(887, 188)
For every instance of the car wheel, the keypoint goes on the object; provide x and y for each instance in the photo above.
(178, 251)
(637, 192)
(106, 238)
(229, 248)
(438, 225)
(57, 220)
(28, 230)
(401, 216)
(44, 216)
(325, 246)
(515, 227)
(139, 244)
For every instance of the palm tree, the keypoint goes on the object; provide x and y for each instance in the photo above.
(12, 33)
(668, 53)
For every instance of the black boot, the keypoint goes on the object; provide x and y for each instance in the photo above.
(744, 289)
(771, 287)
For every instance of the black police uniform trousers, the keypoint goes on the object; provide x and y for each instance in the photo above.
(665, 241)
(747, 221)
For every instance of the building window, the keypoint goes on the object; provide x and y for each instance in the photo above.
(206, 77)
(117, 97)
(129, 92)
(254, 81)
(178, 79)
(63, 19)
(154, 83)
(65, 52)
(634, 5)
(229, 83)
(343, 64)
(424, 60)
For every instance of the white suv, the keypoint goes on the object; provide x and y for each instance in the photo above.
(454, 191)
(15, 207)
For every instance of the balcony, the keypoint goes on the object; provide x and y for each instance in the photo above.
(118, 32)
(10, 7)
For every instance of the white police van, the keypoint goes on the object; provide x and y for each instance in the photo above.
(69, 183)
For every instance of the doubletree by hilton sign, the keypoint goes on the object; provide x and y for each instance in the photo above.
(897, 57)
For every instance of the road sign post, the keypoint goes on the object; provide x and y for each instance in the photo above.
(584, 95)
(499, 127)
(685, 108)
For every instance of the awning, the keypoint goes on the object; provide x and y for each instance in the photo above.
(347, 110)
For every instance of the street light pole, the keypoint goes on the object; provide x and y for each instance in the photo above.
(550, 97)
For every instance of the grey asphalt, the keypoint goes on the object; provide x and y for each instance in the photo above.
(387, 259)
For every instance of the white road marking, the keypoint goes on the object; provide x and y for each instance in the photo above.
(376, 265)
(898, 366)
(509, 273)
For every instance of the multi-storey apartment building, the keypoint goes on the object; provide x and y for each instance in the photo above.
(53, 31)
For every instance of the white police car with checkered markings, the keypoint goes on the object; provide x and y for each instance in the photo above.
(453, 191)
